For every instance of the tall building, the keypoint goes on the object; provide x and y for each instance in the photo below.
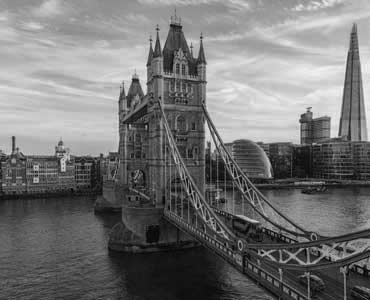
(314, 130)
(353, 118)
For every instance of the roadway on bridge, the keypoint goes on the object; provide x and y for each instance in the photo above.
(333, 279)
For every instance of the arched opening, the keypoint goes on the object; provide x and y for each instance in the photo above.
(181, 124)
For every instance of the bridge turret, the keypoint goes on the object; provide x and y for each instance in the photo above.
(201, 68)
(149, 71)
(157, 61)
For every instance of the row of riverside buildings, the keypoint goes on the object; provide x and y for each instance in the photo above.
(346, 157)
(60, 173)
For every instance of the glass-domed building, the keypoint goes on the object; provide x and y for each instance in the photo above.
(252, 159)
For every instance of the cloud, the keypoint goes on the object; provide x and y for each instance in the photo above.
(317, 5)
(32, 26)
(236, 5)
(49, 8)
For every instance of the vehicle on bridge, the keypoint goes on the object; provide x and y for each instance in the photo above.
(247, 228)
(316, 283)
(360, 292)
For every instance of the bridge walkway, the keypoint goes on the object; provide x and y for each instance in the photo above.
(332, 277)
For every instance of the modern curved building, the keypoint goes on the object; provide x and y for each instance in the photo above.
(252, 159)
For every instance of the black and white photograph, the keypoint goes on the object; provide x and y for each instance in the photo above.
(184, 149)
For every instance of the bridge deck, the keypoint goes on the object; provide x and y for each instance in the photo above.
(267, 275)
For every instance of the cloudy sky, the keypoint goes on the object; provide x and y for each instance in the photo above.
(62, 62)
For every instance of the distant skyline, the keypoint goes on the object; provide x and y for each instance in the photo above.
(63, 61)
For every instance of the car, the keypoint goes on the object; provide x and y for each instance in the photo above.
(360, 292)
(316, 283)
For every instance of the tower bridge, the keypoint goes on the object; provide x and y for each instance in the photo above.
(160, 181)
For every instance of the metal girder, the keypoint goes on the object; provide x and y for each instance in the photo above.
(196, 198)
(251, 194)
(329, 252)
(139, 111)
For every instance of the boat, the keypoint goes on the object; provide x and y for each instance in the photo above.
(314, 190)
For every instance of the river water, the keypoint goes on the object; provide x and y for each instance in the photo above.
(57, 249)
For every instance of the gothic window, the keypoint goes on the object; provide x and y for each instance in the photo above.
(195, 151)
(181, 124)
(189, 87)
(138, 138)
(178, 86)
(138, 154)
(184, 87)
(193, 127)
(132, 155)
(190, 153)
(172, 86)
(183, 69)
(177, 68)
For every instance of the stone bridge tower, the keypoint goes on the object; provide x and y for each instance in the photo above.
(177, 80)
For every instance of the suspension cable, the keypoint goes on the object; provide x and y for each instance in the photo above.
(233, 198)
(165, 173)
(217, 179)
(227, 209)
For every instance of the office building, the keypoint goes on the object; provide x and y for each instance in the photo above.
(314, 130)
(352, 124)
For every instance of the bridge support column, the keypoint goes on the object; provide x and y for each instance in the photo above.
(344, 271)
(308, 274)
(281, 279)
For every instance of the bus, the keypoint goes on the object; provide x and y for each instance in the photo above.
(247, 228)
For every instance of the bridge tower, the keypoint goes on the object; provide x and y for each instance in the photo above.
(177, 80)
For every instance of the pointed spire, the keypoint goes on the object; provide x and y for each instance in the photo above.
(353, 43)
(201, 56)
(157, 48)
(122, 94)
(135, 76)
(150, 55)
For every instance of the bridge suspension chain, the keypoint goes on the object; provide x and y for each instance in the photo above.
(250, 194)
(196, 198)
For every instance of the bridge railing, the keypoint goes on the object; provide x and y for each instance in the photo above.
(239, 261)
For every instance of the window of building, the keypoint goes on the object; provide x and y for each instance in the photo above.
(190, 153)
(172, 86)
(138, 138)
(184, 87)
(181, 124)
(183, 71)
(189, 87)
(196, 151)
(193, 127)
(177, 68)
(132, 155)
(138, 154)
(178, 86)
(144, 156)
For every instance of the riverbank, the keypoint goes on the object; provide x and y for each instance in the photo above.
(49, 195)
(312, 182)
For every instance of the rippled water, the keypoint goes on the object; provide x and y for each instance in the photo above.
(57, 249)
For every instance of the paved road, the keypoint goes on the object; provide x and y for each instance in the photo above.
(333, 279)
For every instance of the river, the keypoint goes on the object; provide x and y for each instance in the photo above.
(57, 249)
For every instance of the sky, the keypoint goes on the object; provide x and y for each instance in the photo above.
(62, 63)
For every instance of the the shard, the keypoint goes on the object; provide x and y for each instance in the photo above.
(353, 117)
